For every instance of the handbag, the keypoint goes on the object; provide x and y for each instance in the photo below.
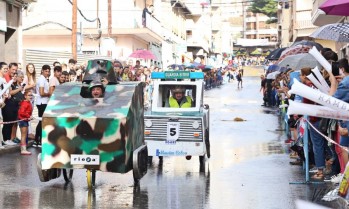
(18, 97)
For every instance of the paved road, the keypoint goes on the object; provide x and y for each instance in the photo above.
(248, 169)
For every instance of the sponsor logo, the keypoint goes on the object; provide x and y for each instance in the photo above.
(170, 153)
(84, 159)
(170, 142)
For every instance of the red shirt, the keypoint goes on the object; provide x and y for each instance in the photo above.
(307, 101)
(7, 77)
(25, 110)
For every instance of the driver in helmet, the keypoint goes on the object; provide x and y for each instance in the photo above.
(178, 100)
(97, 89)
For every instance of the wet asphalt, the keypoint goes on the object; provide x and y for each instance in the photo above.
(248, 169)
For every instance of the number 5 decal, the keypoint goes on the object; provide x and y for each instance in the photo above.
(172, 131)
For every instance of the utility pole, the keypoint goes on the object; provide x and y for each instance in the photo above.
(109, 19)
(74, 29)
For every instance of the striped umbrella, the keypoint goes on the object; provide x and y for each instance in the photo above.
(293, 50)
(336, 32)
(308, 43)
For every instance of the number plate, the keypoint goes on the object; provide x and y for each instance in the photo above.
(172, 131)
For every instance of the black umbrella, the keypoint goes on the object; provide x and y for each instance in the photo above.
(308, 43)
(275, 55)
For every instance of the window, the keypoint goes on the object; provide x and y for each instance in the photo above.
(167, 91)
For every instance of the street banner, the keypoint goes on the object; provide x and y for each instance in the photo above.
(296, 108)
(319, 97)
(316, 54)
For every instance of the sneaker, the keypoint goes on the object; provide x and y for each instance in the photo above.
(10, 142)
(2, 147)
(337, 179)
(313, 170)
(16, 140)
(25, 152)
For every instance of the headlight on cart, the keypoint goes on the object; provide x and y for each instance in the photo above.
(196, 125)
(148, 123)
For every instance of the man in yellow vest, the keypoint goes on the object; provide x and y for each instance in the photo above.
(178, 100)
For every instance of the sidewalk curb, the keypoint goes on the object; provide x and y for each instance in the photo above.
(14, 148)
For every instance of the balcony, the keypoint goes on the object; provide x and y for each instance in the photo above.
(152, 32)
(319, 18)
(304, 24)
(197, 41)
(251, 19)
(261, 31)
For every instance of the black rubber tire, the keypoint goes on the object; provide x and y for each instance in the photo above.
(135, 180)
(202, 160)
(202, 163)
(68, 174)
(150, 160)
(93, 178)
(207, 143)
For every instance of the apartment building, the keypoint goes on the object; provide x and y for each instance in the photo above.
(47, 26)
(319, 18)
(10, 29)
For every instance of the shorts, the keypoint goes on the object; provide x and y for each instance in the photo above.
(292, 123)
(23, 123)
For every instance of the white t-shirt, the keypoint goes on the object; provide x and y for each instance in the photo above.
(2, 100)
(54, 81)
(42, 82)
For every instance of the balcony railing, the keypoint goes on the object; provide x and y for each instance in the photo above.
(304, 24)
(197, 41)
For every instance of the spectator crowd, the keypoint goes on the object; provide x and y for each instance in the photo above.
(327, 160)
(22, 91)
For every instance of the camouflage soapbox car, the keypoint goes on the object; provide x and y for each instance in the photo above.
(104, 134)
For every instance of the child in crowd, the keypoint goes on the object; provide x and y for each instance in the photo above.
(66, 76)
(72, 76)
(25, 114)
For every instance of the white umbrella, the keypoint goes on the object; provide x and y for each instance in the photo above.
(273, 75)
(336, 32)
(299, 61)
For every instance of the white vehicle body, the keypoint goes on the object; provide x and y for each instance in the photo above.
(177, 131)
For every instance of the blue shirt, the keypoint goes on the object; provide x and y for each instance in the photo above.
(342, 92)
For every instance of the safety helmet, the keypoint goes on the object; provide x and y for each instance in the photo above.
(95, 84)
(178, 89)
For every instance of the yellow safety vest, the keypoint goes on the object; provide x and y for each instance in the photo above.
(174, 104)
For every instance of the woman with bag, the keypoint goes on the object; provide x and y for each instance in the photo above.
(10, 110)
